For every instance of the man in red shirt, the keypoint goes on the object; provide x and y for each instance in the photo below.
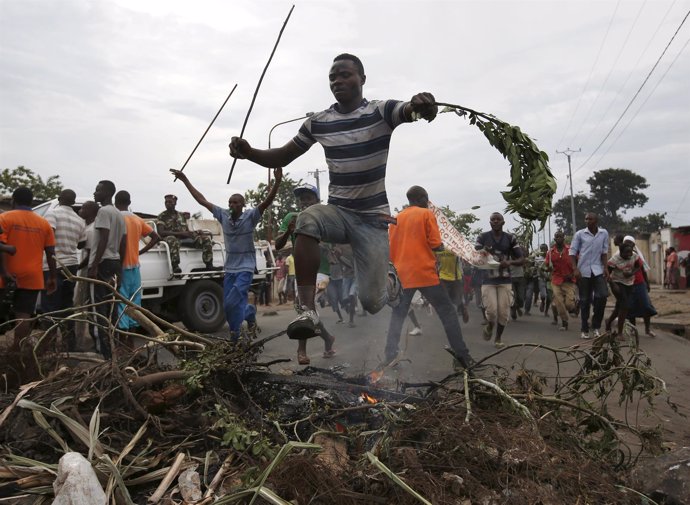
(31, 235)
(562, 279)
(413, 241)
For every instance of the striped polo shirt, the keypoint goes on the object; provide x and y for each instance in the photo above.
(70, 229)
(356, 149)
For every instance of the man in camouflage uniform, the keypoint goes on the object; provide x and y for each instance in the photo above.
(172, 227)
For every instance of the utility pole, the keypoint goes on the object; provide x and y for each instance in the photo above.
(568, 152)
(316, 173)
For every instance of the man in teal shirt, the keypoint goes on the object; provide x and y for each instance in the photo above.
(307, 195)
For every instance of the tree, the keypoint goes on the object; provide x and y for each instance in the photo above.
(612, 192)
(563, 214)
(648, 224)
(462, 222)
(284, 202)
(22, 176)
(614, 189)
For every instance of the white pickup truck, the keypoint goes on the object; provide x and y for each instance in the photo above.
(194, 296)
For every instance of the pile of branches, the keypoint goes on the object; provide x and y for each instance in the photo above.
(493, 435)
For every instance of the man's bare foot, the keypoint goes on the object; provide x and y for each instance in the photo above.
(328, 352)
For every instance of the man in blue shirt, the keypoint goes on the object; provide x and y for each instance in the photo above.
(589, 256)
(240, 254)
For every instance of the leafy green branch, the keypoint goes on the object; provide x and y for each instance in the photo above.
(532, 185)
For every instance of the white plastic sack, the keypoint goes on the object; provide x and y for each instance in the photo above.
(76, 482)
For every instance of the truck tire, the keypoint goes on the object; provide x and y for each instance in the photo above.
(201, 306)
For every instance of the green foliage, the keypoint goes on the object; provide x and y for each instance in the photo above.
(563, 214)
(524, 233)
(22, 176)
(617, 188)
(212, 359)
(241, 438)
(284, 202)
(532, 185)
(612, 192)
(462, 222)
(649, 223)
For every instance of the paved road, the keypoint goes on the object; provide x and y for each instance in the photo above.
(360, 350)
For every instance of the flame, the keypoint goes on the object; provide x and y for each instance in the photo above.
(368, 398)
(375, 376)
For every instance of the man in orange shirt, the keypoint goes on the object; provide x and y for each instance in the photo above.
(31, 235)
(137, 229)
(413, 241)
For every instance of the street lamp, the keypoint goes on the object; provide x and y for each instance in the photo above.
(269, 233)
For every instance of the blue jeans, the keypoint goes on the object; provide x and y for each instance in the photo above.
(368, 235)
(439, 300)
(59, 300)
(130, 289)
(235, 300)
(532, 286)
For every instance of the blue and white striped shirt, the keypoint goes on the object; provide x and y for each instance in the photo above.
(356, 149)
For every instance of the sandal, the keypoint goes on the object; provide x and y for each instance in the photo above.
(488, 330)
(303, 359)
(329, 354)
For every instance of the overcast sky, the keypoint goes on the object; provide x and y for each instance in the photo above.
(123, 89)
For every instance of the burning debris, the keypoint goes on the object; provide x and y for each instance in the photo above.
(223, 427)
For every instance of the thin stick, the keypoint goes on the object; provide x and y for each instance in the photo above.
(219, 476)
(256, 91)
(169, 477)
(208, 128)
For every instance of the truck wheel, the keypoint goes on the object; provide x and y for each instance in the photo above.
(201, 306)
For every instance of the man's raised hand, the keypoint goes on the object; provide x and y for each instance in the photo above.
(424, 104)
(239, 148)
(278, 174)
(179, 174)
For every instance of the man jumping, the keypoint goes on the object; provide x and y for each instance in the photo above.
(355, 134)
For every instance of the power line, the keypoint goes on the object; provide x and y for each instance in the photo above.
(608, 76)
(627, 79)
(642, 104)
(636, 94)
(591, 71)
(680, 205)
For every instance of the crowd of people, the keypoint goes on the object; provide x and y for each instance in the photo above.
(41, 256)
(367, 256)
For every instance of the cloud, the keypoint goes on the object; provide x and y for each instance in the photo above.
(125, 88)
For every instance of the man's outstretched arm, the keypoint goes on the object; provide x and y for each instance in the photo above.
(278, 174)
(269, 158)
(201, 199)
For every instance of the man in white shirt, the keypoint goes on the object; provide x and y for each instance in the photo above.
(70, 236)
